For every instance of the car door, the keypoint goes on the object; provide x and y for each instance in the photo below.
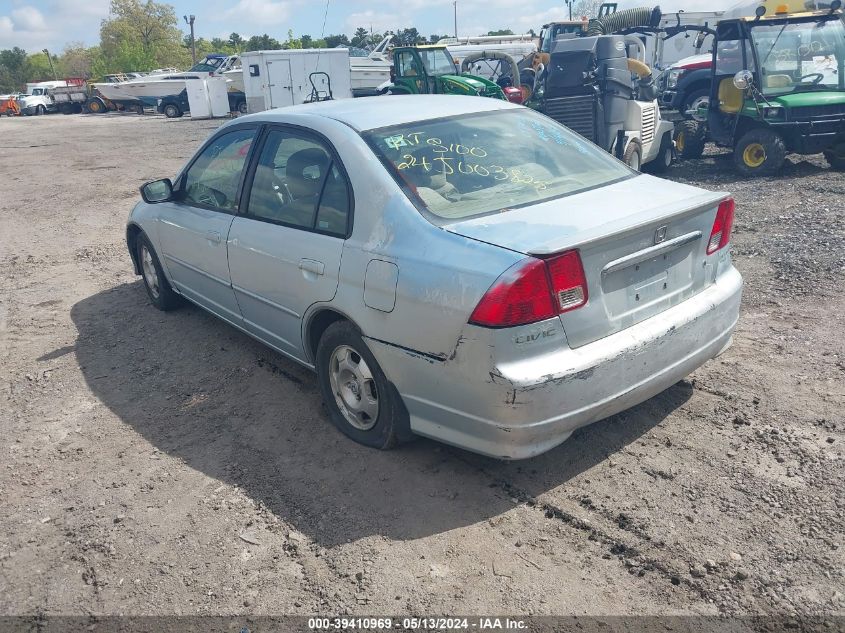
(285, 245)
(194, 227)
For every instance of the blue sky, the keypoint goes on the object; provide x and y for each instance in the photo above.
(37, 24)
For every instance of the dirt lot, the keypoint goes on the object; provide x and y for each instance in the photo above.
(166, 464)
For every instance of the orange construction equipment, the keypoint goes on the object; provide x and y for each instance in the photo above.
(10, 107)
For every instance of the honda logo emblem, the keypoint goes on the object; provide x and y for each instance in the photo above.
(660, 234)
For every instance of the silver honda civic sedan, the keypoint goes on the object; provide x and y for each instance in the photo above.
(459, 268)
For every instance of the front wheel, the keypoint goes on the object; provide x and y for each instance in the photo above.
(158, 288)
(634, 155)
(40, 110)
(361, 402)
(835, 156)
(759, 152)
(242, 107)
(663, 160)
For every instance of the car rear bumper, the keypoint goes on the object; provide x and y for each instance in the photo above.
(524, 407)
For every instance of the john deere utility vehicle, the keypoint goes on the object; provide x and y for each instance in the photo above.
(431, 70)
(778, 86)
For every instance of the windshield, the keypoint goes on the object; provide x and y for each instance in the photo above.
(483, 163)
(437, 61)
(800, 56)
(208, 65)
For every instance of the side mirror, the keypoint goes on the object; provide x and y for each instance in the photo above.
(743, 80)
(157, 191)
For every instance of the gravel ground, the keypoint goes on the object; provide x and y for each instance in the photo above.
(166, 464)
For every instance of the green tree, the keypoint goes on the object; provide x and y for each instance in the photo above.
(262, 43)
(434, 38)
(219, 45)
(292, 42)
(140, 36)
(38, 68)
(500, 32)
(12, 69)
(361, 39)
(333, 41)
(409, 37)
(307, 41)
(77, 60)
(237, 43)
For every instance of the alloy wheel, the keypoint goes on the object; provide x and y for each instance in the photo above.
(354, 388)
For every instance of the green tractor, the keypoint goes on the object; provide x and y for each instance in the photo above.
(431, 70)
(778, 86)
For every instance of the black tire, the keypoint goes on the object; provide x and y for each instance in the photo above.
(96, 105)
(172, 111)
(690, 138)
(382, 433)
(633, 156)
(759, 152)
(242, 107)
(692, 98)
(835, 156)
(66, 108)
(159, 291)
(664, 156)
(39, 110)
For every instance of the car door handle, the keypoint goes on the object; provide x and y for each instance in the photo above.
(312, 266)
(213, 236)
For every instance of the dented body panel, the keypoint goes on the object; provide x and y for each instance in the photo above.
(517, 405)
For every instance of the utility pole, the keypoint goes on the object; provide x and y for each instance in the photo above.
(569, 4)
(50, 59)
(455, 4)
(190, 22)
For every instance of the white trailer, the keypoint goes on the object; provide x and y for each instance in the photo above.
(275, 79)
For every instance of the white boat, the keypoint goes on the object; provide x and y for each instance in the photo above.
(369, 70)
(149, 89)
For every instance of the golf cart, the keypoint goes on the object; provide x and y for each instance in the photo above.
(778, 86)
(431, 70)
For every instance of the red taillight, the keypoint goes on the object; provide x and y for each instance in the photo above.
(569, 286)
(721, 233)
(533, 290)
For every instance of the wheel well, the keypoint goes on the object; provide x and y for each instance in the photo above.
(703, 84)
(132, 233)
(317, 325)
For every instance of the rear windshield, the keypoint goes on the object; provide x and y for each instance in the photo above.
(489, 162)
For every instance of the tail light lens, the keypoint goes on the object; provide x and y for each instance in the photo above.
(720, 235)
(533, 290)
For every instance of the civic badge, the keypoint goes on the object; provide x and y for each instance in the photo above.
(660, 234)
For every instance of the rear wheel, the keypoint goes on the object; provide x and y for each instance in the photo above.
(835, 156)
(759, 152)
(242, 107)
(361, 402)
(158, 288)
(172, 111)
(634, 155)
(690, 137)
(96, 106)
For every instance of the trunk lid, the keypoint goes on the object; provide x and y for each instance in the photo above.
(642, 243)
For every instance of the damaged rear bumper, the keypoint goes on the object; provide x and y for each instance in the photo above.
(523, 407)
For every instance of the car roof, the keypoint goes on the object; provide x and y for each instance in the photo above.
(368, 113)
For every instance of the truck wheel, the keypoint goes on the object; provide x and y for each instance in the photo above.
(690, 137)
(663, 160)
(39, 110)
(172, 111)
(242, 108)
(66, 108)
(96, 106)
(634, 155)
(835, 156)
(759, 152)
(695, 100)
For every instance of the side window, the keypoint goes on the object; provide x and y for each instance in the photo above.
(407, 66)
(213, 179)
(297, 183)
